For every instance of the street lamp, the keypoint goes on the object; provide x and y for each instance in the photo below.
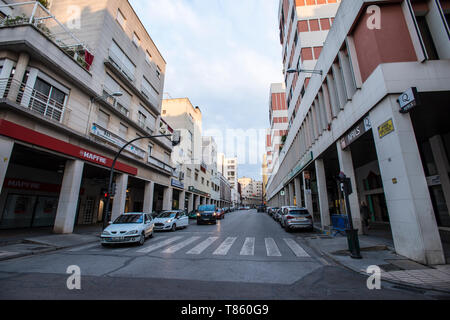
(176, 139)
(305, 71)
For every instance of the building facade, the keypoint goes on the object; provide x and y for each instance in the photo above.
(377, 113)
(69, 101)
(252, 191)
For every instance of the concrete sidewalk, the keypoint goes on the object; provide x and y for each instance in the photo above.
(25, 242)
(380, 252)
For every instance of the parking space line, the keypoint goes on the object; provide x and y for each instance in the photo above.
(159, 245)
(296, 248)
(272, 248)
(202, 246)
(181, 245)
(223, 249)
(248, 249)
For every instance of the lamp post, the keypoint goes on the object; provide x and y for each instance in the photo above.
(352, 234)
(305, 71)
(176, 138)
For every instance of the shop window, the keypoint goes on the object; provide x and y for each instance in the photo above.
(373, 182)
(428, 159)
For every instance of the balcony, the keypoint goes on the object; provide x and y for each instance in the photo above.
(32, 99)
(116, 63)
(34, 14)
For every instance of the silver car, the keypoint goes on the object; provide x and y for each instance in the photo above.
(296, 218)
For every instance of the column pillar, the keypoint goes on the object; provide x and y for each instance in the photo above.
(413, 223)
(307, 195)
(68, 197)
(197, 202)
(190, 202)
(6, 148)
(442, 164)
(148, 196)
(120, 197)
(346, 166)
(291, 194)
(167, 199)
(181, 200)
(298, 191)
(323, 194)
(21, 68)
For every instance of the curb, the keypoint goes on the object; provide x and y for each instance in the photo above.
(50, 249)
(404, 284)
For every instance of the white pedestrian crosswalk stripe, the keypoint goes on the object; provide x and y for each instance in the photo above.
(272, 248)
(223, 249)
(248, 249)
(203, 246)
(181, 245)
(296, 248)
(159, 245)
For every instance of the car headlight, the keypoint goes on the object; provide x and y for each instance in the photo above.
(169, 221)
(133, 232)
(198, 214)
(106, 233)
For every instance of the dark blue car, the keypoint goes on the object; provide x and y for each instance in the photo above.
(207, 214)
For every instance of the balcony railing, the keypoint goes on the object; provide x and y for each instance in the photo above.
(33, 13)
(32, 99)
(160, 164)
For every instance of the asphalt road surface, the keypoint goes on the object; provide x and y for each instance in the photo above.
(245, 256)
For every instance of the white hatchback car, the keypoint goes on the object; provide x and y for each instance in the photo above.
(171, 220)
(129, 228)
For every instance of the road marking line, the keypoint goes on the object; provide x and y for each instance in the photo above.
(7, 253)
(159, 245)
(248, 249)
(202, 246)
(223, 249)
(296, 248)
(92, 245)
(272, 248)
(181, 245)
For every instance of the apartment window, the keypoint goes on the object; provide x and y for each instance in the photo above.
(148, 90)
(148, 57)
(203, 180)
(158, 72)
(188, 173)
(120, 59)
(136, 40)
(142, 119)
(427, 38)
(47, 100)
(196, 176)
(123, 131)
(121, 18)
(103, 119)
(150, 150)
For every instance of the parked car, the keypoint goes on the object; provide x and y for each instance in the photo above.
(277, 215)
(192, 214)
(207, 214)
(220, 214)
(272, 211)
(128, 228)
(296, 218)
(171, 220)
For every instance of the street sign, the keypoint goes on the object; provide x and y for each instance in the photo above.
(356, 132)
(386, 128)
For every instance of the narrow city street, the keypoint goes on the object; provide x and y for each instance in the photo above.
(245, 256)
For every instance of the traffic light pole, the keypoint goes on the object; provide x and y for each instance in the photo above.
(106, 215)
(352, 234)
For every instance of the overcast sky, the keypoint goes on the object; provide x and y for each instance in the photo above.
(221, 54)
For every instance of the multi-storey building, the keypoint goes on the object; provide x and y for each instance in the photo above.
(188, 157)
(278, 117)
(377, 112)
(210, 159)
(229, 168)
(73, 91)
(252, 191)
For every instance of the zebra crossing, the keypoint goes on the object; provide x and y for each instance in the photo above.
(197, 245)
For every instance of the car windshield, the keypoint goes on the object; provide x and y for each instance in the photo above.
(167, 215)
(207, 208)
(129, 218)
(299, 213)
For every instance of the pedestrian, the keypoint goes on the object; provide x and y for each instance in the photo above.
(365, 215)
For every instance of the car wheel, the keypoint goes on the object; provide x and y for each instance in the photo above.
(151, 235)
(174, 227)
(142, 239)
(105, 245)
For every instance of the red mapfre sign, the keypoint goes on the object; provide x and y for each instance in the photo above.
(15, 131)
(20, 184)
